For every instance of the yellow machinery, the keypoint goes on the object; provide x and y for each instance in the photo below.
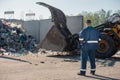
(110, 42)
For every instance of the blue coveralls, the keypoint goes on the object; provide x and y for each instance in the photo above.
(88, 48)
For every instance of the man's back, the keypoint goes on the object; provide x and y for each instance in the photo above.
(90, 34)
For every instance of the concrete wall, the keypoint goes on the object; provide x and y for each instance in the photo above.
(32, 28)
(38, 29)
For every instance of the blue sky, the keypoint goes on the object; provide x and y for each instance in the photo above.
(69, 7)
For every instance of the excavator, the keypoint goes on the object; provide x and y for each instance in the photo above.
(110, 42)
(59, 37)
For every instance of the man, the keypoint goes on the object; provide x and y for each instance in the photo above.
(89, 44)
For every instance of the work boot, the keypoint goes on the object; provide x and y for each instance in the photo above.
(82, 73)
(92, 72)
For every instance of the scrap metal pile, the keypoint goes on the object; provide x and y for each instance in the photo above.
(13, 39)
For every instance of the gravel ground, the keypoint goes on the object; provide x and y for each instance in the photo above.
(54, 67)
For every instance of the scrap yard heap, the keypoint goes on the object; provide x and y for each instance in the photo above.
(13, 39)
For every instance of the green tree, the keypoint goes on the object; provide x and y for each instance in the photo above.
(103, 15)
(97, 17)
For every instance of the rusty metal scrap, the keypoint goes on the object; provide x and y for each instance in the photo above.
(13, 39)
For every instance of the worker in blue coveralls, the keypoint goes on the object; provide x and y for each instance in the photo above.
(89, 38)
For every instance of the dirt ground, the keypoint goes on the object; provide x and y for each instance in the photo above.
(54, 67)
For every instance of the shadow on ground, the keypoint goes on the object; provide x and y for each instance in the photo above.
(74, 57)
(108, 61)
(105, 62)
(100, 77)
(15, 59)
